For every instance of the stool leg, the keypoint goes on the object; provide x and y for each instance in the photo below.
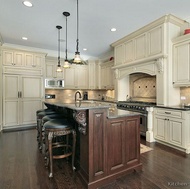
(73, 149)
(38, 134)
(50, 137)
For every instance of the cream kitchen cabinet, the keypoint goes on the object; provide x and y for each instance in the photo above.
(22, 58)
(181, 61)
(51, 67)
(172, 127)
(22, 96)
(76, 77)
(140, 45)
(13, 58)
(107, 75)
(119, 54)
(93, 74)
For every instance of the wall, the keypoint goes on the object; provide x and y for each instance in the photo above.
(68, 96)
(142, 87)
(185, 92)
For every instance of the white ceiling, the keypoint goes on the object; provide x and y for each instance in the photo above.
(96, 18)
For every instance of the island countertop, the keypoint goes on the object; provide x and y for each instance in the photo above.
(113, 111)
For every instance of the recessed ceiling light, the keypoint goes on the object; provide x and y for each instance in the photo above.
(113, 29)
(24, 38)
(84, 49)
(27, 3)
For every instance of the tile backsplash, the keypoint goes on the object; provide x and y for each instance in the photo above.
(185, 92)
(67, 96)
(143, 86)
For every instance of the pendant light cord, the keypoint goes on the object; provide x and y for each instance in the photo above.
(77, 47)
(66, 41)
(59, 47)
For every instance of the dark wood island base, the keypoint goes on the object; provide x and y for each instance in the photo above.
(110, 148)
(108, 143)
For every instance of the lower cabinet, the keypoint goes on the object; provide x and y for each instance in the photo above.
(110, 148)
(171, 126)
(22, 96)
(122, 143)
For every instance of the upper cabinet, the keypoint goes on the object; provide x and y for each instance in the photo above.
(181, 61)
(145, 45)
(76, 77)
(155, 40)
(93, 74)
(51, 66)
(22, 58)
(107, 75)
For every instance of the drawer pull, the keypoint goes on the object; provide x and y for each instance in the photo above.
(167, 112)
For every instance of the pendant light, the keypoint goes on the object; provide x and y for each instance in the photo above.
(59, 65)
(77, 58)
(66, 63)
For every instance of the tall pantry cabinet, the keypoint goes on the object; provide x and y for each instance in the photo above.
(22, 87)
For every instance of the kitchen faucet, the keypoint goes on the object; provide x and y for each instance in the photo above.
(80, 96)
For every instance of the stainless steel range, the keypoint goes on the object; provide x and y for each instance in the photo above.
(137, 106)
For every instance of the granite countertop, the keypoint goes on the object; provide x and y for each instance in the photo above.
(183, 108)
(116, 113)
(113, 112)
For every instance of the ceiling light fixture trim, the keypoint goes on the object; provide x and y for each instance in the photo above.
(59, 64)
(66, 63)
(77, 58)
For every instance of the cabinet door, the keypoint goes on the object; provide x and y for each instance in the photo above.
(129, 51)
(29, 59)
(160, 128)
(38, 61)
(70, 78)
(50, 70)
(140, 46)
(104, 78)
(29, 108)
(14, 58)
(10, 100)
(116, 147)
(81, 77)
(31, 87)
(97, 145)
(93, 75)
(155, 41)
(119, 54)
(181, 68)
(176, 136)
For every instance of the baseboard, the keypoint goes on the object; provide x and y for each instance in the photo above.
(22, 128)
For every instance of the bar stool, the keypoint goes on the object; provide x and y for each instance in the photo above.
(43, 121)
(57, 128)
(40, 115)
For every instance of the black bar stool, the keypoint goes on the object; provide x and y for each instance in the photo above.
(54, 129)
(39, 116)
(44, 120)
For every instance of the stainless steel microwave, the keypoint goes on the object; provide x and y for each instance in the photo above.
(54, 83)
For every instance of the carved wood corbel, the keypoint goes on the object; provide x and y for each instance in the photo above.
(81, 118)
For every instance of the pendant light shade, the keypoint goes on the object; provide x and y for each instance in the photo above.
(66, 63)
(59, 64)
(77, 58)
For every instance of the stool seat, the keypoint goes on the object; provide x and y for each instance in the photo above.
(58, 124)
(51, 116)
(43, 110)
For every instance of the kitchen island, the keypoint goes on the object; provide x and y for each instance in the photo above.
(109, 142)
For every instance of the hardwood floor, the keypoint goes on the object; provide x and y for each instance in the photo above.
(22, 167)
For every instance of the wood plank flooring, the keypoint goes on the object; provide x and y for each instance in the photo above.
(22, 167)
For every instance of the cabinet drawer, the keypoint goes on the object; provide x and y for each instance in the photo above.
(169, 112)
